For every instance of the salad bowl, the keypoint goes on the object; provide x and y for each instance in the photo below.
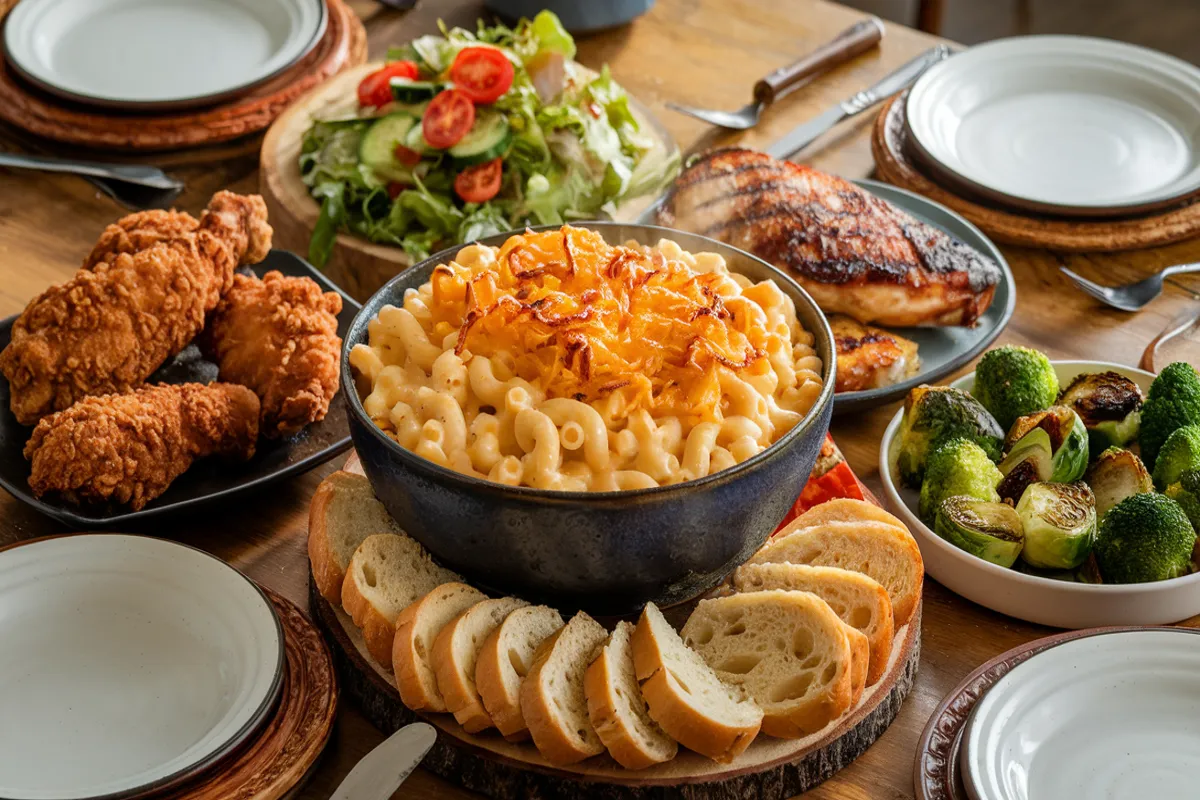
(1046, 601)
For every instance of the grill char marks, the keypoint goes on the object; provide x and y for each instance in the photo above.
(857, 254)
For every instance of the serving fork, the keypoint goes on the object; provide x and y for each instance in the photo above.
(1131, 296)
(856, 39)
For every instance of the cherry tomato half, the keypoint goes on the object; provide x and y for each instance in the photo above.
(376, 90)
(479, 183)
(448, 118)
(484, 73)
(407, 156)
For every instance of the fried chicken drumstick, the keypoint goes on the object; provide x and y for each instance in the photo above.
(141, 297)
(128, 448)
(278, 336)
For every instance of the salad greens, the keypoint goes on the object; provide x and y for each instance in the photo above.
(572, 149)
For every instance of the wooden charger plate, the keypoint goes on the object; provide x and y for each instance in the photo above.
(26, 108)
(895, 164)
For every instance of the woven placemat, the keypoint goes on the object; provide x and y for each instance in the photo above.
(895, 164)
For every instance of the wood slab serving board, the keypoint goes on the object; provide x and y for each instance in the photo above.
(357, 265)
(770, 768)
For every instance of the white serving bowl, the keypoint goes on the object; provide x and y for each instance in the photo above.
(1046, 601)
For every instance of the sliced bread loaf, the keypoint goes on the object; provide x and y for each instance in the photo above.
(787, 649)
(504, 661)
(858, 599)
(455, 653)
(883, 552)
(552, 697)
(417, 628)
(685, 697)
(842, 509)
(387, 573)
(342, 513)
(618, 710)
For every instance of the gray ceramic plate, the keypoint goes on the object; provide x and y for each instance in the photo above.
(942, 350)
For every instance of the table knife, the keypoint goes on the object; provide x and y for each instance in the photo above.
(902, 78)
(383, 769)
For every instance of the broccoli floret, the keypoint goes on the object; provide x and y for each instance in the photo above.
(957, 467)
(936, 414)
(1172, 403)
(1144, 538)
(1115, 475)
(1186, 492)
(1014, 381)
(1178, 454)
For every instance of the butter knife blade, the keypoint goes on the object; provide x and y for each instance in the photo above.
(903, 77)
(381, 771)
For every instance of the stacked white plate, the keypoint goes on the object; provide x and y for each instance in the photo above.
(1114, 715)
(1066, 125)
(158, 54)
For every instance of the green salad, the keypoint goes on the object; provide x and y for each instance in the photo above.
(466, 134)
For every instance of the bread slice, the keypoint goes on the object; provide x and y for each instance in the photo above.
(552, 696)
(685, 696)
(842, 509)
(455, 653)
(342, 513)
(387, 573)
(417, 628)
(504, 661)
(860, 656)
(858, 599)
(618, 710)
(787, 649)
(881, 551)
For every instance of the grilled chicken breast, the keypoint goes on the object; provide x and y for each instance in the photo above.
(870, 358)
(855, 253)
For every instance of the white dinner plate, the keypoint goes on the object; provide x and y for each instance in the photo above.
(1114, 716)
(1046, 601)
(1062, 124)
(128, 663)
(160, 54)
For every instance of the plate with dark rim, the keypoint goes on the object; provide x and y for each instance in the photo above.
(209, 481)
(944, 349)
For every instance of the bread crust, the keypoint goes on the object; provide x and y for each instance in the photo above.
(326, 572)
(622, 745)
(683, 723)
(842, 509)
(553, 743)
(860, 656)
(459, 698)
(377, 631)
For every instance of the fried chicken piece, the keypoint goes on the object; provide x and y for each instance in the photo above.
(128, 448)
(140, 231)
(278, 336)
(109, 327)
(869, 357)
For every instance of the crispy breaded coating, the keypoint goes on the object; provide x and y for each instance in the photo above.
(140, 231)
(128, 448)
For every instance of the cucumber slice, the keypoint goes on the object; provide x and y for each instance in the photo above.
(406, 90)
(488, 138)
(378, 146)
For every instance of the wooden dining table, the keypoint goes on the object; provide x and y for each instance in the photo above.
(698, 52)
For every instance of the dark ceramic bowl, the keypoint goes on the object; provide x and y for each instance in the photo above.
(604, 552)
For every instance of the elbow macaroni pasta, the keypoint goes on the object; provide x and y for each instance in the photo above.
(560, 362)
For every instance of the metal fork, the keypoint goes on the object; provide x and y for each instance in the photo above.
(1131, 296)
(854, 40)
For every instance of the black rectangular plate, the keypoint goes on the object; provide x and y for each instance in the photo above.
(210, 481)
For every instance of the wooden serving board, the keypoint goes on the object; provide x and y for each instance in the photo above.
(770, 768)
(895, 164)
(47, 117)
(357, 265)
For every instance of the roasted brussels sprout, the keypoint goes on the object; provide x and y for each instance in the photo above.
(1115, 475)
(1059, 520)
(991, 531)
(935, 414)
(1178, 454)
(1050, 445)
(1172, 402)
(1186, 492)
(1143, 538)
(1110, 406)
(957, 467)
(1014, 381)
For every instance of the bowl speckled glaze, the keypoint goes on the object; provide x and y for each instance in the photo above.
(603, 552)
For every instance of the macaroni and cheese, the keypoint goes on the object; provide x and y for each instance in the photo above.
(561, 362)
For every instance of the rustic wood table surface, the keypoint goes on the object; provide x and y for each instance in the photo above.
(699, 52)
